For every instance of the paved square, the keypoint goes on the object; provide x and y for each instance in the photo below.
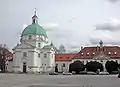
(32, 80)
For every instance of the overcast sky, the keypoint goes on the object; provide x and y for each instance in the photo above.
(69, 22)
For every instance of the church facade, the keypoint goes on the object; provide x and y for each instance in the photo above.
(34, 53)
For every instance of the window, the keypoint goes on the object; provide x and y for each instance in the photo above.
(63, 64)
(30, 37)
(45, 55)
(38, 54)
(93, 53)
(115, 53)
(88, 53)
(101, 60)
(39, 44)
(109, 53)
(81, 53)
(24, 54)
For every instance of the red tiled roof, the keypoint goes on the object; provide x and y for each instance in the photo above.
(90, 52)
(64, 57)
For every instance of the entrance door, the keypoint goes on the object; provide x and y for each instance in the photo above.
(24, 67)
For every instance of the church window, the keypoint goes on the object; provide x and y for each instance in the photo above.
(24, 54)
(39, 44)
(30, 37)
(38, 54)
(101, 61)
(63, 64)
(45, 55)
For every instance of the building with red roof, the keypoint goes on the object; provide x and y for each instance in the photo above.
(94, 53)
(63, 60)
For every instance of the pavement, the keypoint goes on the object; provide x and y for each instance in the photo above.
(36, 80)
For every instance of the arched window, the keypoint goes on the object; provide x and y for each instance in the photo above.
(24, 54)
(45, 55)
(39, 44)
(38, 54)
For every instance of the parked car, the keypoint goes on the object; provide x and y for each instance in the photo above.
(83, 72)
(114, 72)
(91, 73)
(103, 73)
(67, 73)
(53, 73)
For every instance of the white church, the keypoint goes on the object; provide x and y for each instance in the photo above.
(34, 53)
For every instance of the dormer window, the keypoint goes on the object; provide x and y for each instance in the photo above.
(115, 53)
(109, 53)
(93, 53)
(30, 37)
(81, 53)
(88, 53)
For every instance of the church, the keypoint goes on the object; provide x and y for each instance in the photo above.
(34, 53)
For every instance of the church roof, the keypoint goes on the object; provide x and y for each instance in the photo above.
(34, 29)
(91, 52)
(64, 56)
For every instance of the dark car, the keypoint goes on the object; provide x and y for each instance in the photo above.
(114, 72)
(53, 73)
(91, 73)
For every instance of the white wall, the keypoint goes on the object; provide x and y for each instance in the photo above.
(63, 69)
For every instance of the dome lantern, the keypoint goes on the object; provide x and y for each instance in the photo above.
(101, 43)
(35, 18)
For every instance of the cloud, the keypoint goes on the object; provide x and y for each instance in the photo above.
(111, 25)
(50, 26)
(107, 37)
(105, 41)
(113, 1)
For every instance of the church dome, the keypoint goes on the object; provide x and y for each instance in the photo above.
(34, 29)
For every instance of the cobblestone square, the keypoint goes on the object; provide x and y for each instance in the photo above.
(34, 80)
